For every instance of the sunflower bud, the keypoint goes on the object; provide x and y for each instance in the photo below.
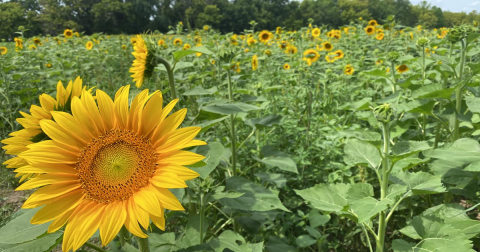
(393, 56)
(423, 41)
(384, 113)
(459, 32)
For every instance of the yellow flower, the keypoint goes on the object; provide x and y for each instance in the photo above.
(251, 41)
(32, 132)
(310, 55)
(177, 42)
(316, 32)
(278, 30)
(372, 22)
(349, 69)
(254, 62)
(380, 36)
(286, 66)
(236, 67)
(291, 49)
(140, 52)
(124, 47)
(48, 65)
(331, 57)
(265, 36)
(339, 54)
(198, 40)
(3, 50)
(37, 41)
(186, 47)
(18, 43)
(32, 47)
(402, 68)
(327, 46)
(283, 45)
(246, 50)
(233, 39)
(68, 33)
(109, 164)
(76, 34)
(378, 62)
(133, 41)
(212, 62)
(161, 42)
(268, 52)
(89, 45)
(370, 30)
(206, 27)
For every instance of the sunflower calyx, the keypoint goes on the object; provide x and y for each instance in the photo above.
(384, 113)
(459, 32)
(421, 42)
(151, 61)
(393, 56)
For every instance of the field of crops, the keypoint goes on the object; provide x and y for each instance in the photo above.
(363, 138)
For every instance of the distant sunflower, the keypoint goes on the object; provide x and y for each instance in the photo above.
(286, 66)
(68, 33)
(254, 62)
(310, 55)
(283, 45)
(316, 32)
(37, 41)
(349, 69)
(48, 65)
(278, 30)
(32, 47)
(109, 164)
(372, 22)
(139, 66)
(186, 46)
(3, 50)
(370, 30)
(206, 27)
(402, 68)
(331, 57)
(234, 39)
(251, 41)
(327, 46)
(268, 52)
(177, 42)
(124, 47)
(380, 36)
(291, 49)
(161, 42)
(133, 40)
(265, 36)
(339, 54)
(197, 40)
(89, 45)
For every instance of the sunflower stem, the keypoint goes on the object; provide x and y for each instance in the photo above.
(171, 79)
(232, 122)
(94, 247)
(143, 245)
(458, 93)
(123, 235)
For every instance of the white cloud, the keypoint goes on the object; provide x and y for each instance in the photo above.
(475, 3)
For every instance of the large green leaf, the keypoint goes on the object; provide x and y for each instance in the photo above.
(256, 197)
(418, 183)
(45, 243)
(360, 152)
(198, 49)
(433, 91)
(201, 91)
(367, 207)
(331, 197)
(473, 103)
(279, 179)
(282, 162)
(162, 242)
(231, 108)
(406, 148)
(233, 242)
(213, 153)
(20, 230)
(463, 150)
(276, 244)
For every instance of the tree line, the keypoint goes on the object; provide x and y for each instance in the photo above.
(42, 17)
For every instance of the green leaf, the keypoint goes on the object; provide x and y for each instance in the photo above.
(162, 242)
(406, 148)
(463, 150)
(266, 121)
(316, 219)
(363, 104)
(229, 240)
(433, 91)
(418, 183)
(367, 207)
(256, 197)
(210, 123)
(423, 106)
(228, 194)
(473, 103)
(198, 49)
(201, 91)
(20, 230)
(213, 153)
(277, 178)
(359, 191)
(331, 197)
(276, 244)
(377, 72)
(45, 243)
(305, 240)
(362, 135)
(231, 108)
(282, 162)
(192, 232)
(402, 246)
(360, 152)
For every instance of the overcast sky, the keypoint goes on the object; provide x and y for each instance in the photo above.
(453, 5)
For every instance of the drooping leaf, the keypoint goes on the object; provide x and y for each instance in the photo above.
(231, 108)
(418, 183)
(360, 152)
(331, 198)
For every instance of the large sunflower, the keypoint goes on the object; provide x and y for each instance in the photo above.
(32, 132)
(109, 165)
(265, 36)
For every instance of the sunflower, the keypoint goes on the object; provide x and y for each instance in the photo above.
(18, 43)
(380, 36)
(109, 165)
(236, 67)
(379, 30)
(77, 34)
(234, 39)
(331, 57)
(246, 50)
(286, 66)
(3, 50)
(310, 55)
(254, 62)
(32, 47)
(283, 45)
(198, 54)
(349, 70)
(68, 33)
(402, 68)
(139, 67)
(161, 42)
(378, 62)
(177, 42)
(370, 30)
(278, 30)
(268, 52)
(339, 54)
(291, 49)
(32, 132)
(124, 47)
(372, 22)
(186, 47)
(316, 32)
(89, 45)
(133, 41)
(37, 41)
(48, 65)
(206, 27)
(327, 46)
(251, 41)
(197, 40)
(265, 36)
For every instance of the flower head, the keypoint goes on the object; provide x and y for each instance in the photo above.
(3, 50)
(89, 45)
(68, 33)
(310, 56)
(265, 36)
(402, 68)
(254, 62)
(144, 62)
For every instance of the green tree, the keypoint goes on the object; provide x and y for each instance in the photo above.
(12, 15)
(353, 9)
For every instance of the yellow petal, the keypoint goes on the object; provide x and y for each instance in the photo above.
(149, 118)
(182, 172)
(49, 192)
(121, 107)
(60, 221)
(179, 158)
(47, 168)
(147, 200)
(112, 222)
(194, 142)
(105, 105)
(89, 224)
(58, 134)
(176, 139)
(92, 108)
(58, 207)
(47, 179)
(159, 221)
(81, 113)
(131, 222)
(71, 124)
(134, 107)
(167, 180)
(170, 124)
(168, 200)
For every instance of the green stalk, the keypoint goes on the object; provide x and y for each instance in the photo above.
(143, 245)
(94, 247)
(123, 235)
(382, 224)
(458, 93)
(232, 125)
(171, 79)
(202, 217)
(394, 78)
(424, 117)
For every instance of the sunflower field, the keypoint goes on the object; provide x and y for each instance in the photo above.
(363, 138)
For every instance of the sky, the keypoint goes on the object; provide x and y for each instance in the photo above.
(453, 5)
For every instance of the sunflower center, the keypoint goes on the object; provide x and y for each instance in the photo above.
(116, 165)
(265, 36)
